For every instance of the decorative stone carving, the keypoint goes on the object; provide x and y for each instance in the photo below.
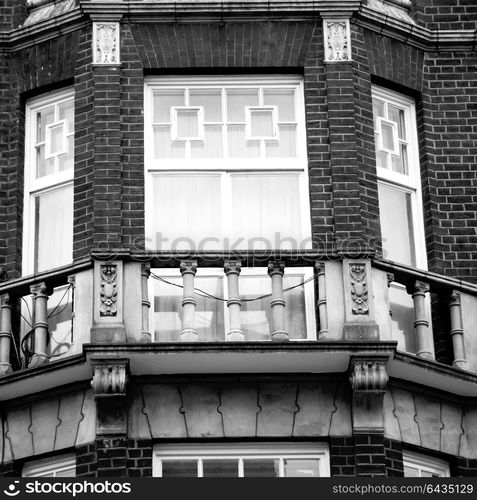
(105, 43)
(108, 290)
(359, 289)
(337, 40)
(368, 375)
(109, 377)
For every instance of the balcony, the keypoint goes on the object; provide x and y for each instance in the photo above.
(275, 313)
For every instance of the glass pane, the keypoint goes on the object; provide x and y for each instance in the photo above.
(43, 118)
(410, 471)
(57, 139)
(164, 147)
(179, 468)
(264, 467)
(402, 318)
(425, 473)
(66, 112)
(285, 101)
(211, 146)
(378, 109)
(210, 100)
(220, 468)
(54, 228)
(184, 217)
(261, 123)
(65, 162)
(209, 315)
(187, 123)
(60, 309)
(43, 167)
(163, 101)
(239, 147)
(381, 156)
(267, 205)
(286, 146)
(256, 315)
(237, 100)
(397, 115)
(387, 132)
(396, 225)
(301, 467)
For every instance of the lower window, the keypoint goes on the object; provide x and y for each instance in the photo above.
(242, 460)
(419, 465)
(59, 466)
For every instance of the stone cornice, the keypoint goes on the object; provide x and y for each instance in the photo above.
(220, 11)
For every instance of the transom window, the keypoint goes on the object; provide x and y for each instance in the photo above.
(59, 466)
(419, 465)
(241, 460)
(226, 164)
(48, 206)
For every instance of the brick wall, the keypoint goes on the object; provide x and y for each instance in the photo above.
(86, 460)
(445, 15)
(342, 458)
(370, 455)
(464, 467)
(393, 458)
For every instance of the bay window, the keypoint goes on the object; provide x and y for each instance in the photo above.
(48, 198)
(241, 460)
(400, 200)
(58, 466)
(420, 465)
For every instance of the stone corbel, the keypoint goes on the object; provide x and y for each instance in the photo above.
(337, 40)
(368, 378)
(109, 383)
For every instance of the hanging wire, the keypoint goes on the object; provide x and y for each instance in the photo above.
(206, 295)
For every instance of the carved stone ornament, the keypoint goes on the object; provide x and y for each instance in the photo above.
(337, 44)
(109, 377)
(108, 290)
(106, 43)
(368, 375)
(359, 289)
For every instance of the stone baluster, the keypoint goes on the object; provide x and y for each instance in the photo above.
(234, 304)
(145, 303)
(188, 270)
(321, 303)
(457, 330)
(40, 293)
(5, 333)
(424, 338)
(276, 271)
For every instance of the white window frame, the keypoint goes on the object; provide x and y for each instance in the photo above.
(425, 463)
(33, 187)
(212, 272)
(408, 183)
(50, 466)
(241, 451)
(225, 166)
(248, 123)
(200, 123)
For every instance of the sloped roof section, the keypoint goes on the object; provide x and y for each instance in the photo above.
(40, 10)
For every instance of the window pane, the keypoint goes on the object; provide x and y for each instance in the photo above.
(300, 467)
(179, 468)
(402, 318)
(286, 146)
(396, 225)
(237, 100)
(183, 217)
(399, 162)
(265, 467)
(267, 205)
(57, 139)
(220, 468)
(261, 123)
(211, 146)
(285, 101)
(410, 471)
(65, 161)
(43, 167)
(187, 123)
(44, 118)
(66, 112)
(378, 110)
(164, 147)
(54, 228)
(387, 132)
(397, 115)
(210, 100)
(163, 101)
(239, 147)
